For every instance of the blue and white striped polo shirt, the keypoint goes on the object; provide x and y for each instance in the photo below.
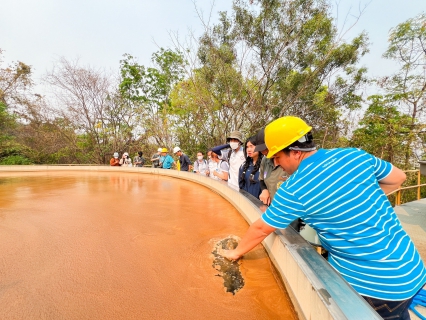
(337, 193)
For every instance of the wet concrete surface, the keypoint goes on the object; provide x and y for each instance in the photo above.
(116, 245)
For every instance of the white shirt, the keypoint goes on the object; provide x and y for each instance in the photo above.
(126, 162)
(201, 166)
(235, 161)
(212, 167)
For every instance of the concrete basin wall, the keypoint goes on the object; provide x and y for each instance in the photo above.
(316, 289)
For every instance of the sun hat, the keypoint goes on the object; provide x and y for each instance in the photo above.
(235, 135)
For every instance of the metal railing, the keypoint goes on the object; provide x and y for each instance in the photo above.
(399, 191)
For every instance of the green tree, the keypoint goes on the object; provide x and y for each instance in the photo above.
(147, 91)
(269, 58)
(407, 47)
(384, 131)
(15, 84)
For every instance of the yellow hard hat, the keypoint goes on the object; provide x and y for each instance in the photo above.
(164, 150)
(283, 132)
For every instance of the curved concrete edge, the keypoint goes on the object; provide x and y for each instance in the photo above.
(315, 288)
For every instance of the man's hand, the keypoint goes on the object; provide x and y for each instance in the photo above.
(231, 255)
(265, 197)
(257, 232)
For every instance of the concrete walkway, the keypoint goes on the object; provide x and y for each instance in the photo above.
(413, 218)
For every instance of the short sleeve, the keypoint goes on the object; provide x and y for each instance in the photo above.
(284, 209)
(381, 168)
(188, 161)
(224, 166)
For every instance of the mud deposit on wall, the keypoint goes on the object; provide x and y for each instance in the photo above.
(116, 245)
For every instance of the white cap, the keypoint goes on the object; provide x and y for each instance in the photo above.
(176, 149)
(126, 154)
(159, 150)
(115, 154)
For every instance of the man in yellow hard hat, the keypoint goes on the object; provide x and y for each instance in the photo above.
(166, 160)
(341, 193)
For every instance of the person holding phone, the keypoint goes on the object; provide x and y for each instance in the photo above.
(125, 160)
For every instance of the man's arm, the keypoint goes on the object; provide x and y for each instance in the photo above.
(393, 181)
(258, 231)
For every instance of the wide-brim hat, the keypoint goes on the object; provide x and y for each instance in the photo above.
(260, 144)
(235, 135)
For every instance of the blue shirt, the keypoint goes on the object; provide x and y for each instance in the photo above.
(337, 193)
(252, 185)
(167, 161)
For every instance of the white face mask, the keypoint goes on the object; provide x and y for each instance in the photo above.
(234, 145)
(200, 157)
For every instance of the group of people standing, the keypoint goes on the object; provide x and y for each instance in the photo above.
(244, 166)
(161, 159)
(340, 193)
(241, 164)
(126, 161)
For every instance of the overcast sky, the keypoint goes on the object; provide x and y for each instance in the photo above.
(99, 32)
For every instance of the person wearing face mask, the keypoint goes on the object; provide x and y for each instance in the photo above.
(201, 166)
(221, 170)
(138, 160)
(236, 158)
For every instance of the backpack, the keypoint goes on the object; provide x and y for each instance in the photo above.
(205, 162)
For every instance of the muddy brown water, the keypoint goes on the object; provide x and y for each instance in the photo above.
(116, 245)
